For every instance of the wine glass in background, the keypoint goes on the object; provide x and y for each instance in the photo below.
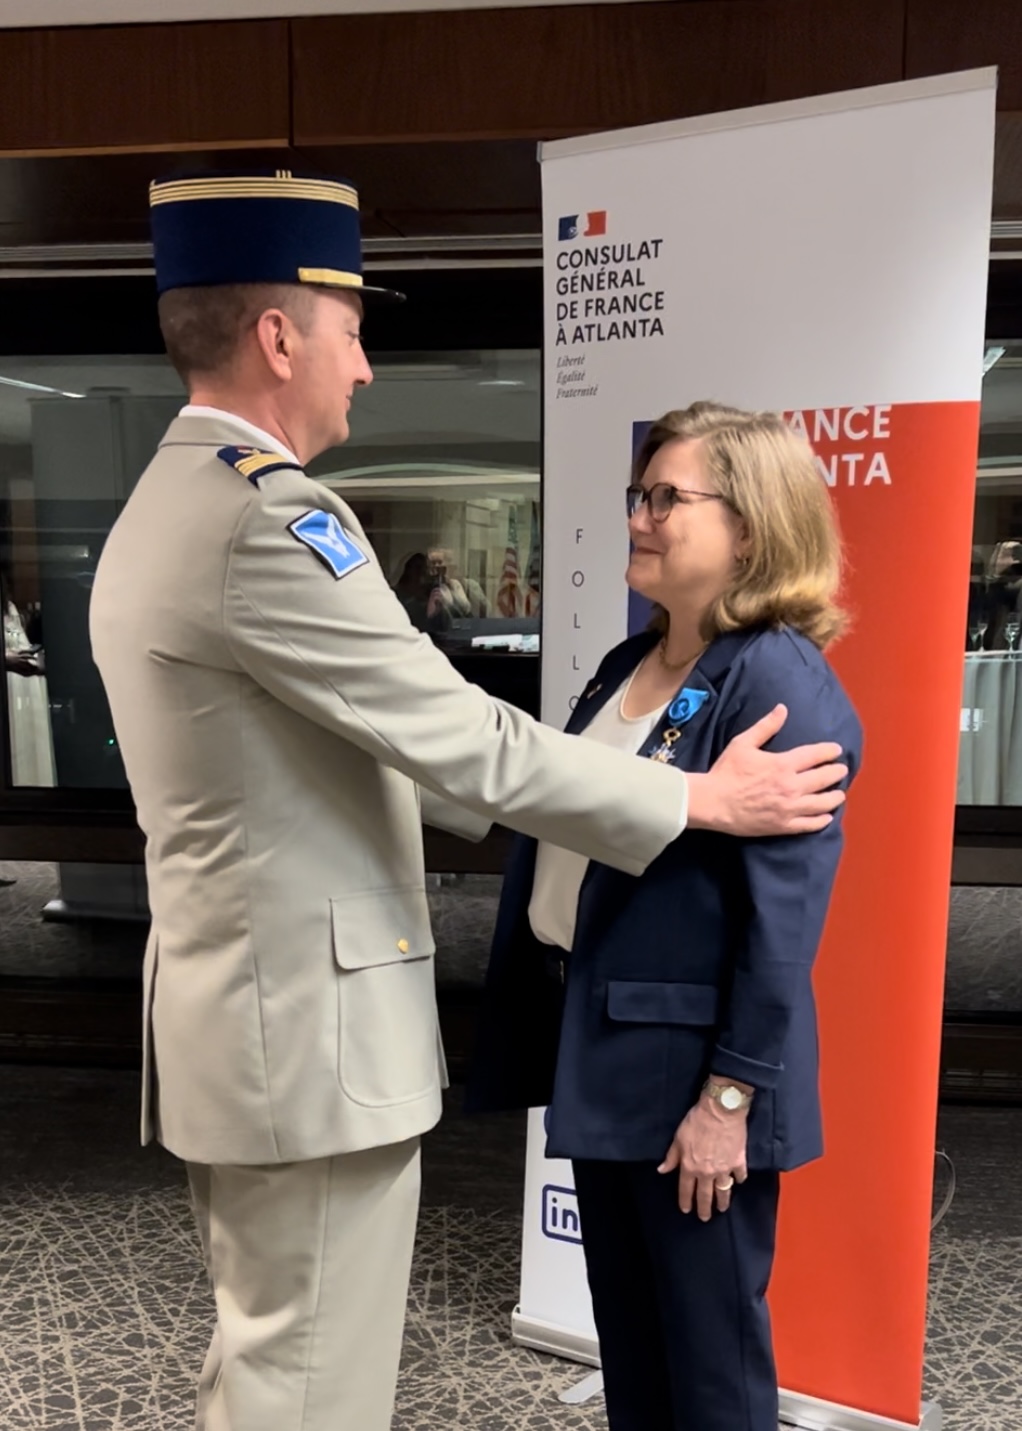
(1012, 628)
(977, 630)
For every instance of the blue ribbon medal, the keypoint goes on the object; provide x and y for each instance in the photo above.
(681, 710)
(685, 705)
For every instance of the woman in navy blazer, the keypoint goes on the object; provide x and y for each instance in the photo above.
(668, 1021)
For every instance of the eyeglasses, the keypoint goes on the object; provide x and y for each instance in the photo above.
(662, 499)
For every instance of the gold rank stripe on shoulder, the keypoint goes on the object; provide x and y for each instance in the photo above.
(285, 186)
(252, 463)
(258, 462)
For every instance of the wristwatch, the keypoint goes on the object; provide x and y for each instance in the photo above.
(727, 1095)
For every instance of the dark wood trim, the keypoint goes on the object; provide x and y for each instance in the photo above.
(122, 843)
(71, 842)
(446, 854)
(64, 1021)
(979, 859)
(533, 72)
(543, 72)
(98, 1022)
(116, 88)
(1002, 822)
(942, 36)
(981, 1060)
(982, 861)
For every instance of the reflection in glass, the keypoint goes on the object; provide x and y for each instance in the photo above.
(75, 435)
(28, 705)
(442, 468)
(990, 742)
(461, 547)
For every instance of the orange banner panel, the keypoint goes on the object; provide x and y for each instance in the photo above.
(855, 1227)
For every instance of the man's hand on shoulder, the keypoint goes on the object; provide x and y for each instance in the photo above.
(753, 792)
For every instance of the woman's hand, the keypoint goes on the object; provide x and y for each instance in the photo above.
(709, 1148)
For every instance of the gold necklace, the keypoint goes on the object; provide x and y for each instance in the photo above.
(677, 665)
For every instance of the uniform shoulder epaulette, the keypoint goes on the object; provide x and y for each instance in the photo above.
(253, 464)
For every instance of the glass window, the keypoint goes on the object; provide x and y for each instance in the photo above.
(990, 758)
(75, 434)
(442, 470)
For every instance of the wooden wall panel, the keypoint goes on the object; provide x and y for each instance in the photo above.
(948, 35)
(133, 87)
(554, 71)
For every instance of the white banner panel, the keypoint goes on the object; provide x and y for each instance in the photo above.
(828, 259)
(554, 1313)
(799, 256)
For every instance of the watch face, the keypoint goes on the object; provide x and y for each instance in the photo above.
(731, 1098)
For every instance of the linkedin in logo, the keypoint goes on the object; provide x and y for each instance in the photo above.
(560, 1214)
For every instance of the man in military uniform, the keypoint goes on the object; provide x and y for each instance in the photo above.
(285, 729)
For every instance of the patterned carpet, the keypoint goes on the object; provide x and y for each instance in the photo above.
(104, 1318)
(104, 1311)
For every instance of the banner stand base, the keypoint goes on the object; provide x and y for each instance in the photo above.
(556, 1340)
(583, 1391)
(805, 1412)
(813, 1415)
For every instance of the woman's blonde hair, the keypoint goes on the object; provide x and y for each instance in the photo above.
(767, 475)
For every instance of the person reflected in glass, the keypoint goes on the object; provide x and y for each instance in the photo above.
(978, 608)
(667, 1022)
(28, 705)
(458, 596)
(413, 588)
(1003, 594)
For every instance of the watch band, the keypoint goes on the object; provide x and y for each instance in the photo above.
(727, 1095)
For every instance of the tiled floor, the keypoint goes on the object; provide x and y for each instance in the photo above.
(104, 1312)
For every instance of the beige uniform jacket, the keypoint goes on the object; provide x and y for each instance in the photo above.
(279, 716)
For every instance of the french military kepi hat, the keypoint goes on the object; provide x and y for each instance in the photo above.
(268, 226)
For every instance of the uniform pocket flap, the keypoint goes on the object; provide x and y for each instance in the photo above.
(641, 1001)
(381, 926)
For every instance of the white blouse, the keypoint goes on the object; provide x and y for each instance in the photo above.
(559, 872)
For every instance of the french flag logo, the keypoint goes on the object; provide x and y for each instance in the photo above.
(595, 226)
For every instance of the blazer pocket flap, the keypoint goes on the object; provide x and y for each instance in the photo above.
(381, 926)
(636, 1001)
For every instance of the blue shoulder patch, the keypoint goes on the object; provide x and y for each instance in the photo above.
(323, 534)
(253, 464)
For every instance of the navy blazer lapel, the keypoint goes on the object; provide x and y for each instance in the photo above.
(614, 670)
(695, 702)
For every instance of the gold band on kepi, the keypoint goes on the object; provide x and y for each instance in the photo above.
(282, 184)
(330, 278)
(259, 226)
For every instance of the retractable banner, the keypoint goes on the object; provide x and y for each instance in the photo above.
(828, 259)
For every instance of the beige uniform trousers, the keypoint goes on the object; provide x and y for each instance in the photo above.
(309, 1264)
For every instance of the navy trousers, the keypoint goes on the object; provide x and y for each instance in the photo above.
(680, 1304)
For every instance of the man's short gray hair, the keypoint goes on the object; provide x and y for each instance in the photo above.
(202, 327)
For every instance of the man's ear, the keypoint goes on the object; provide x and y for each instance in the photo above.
(275, 336)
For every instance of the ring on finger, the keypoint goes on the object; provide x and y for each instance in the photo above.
(725, 1187)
